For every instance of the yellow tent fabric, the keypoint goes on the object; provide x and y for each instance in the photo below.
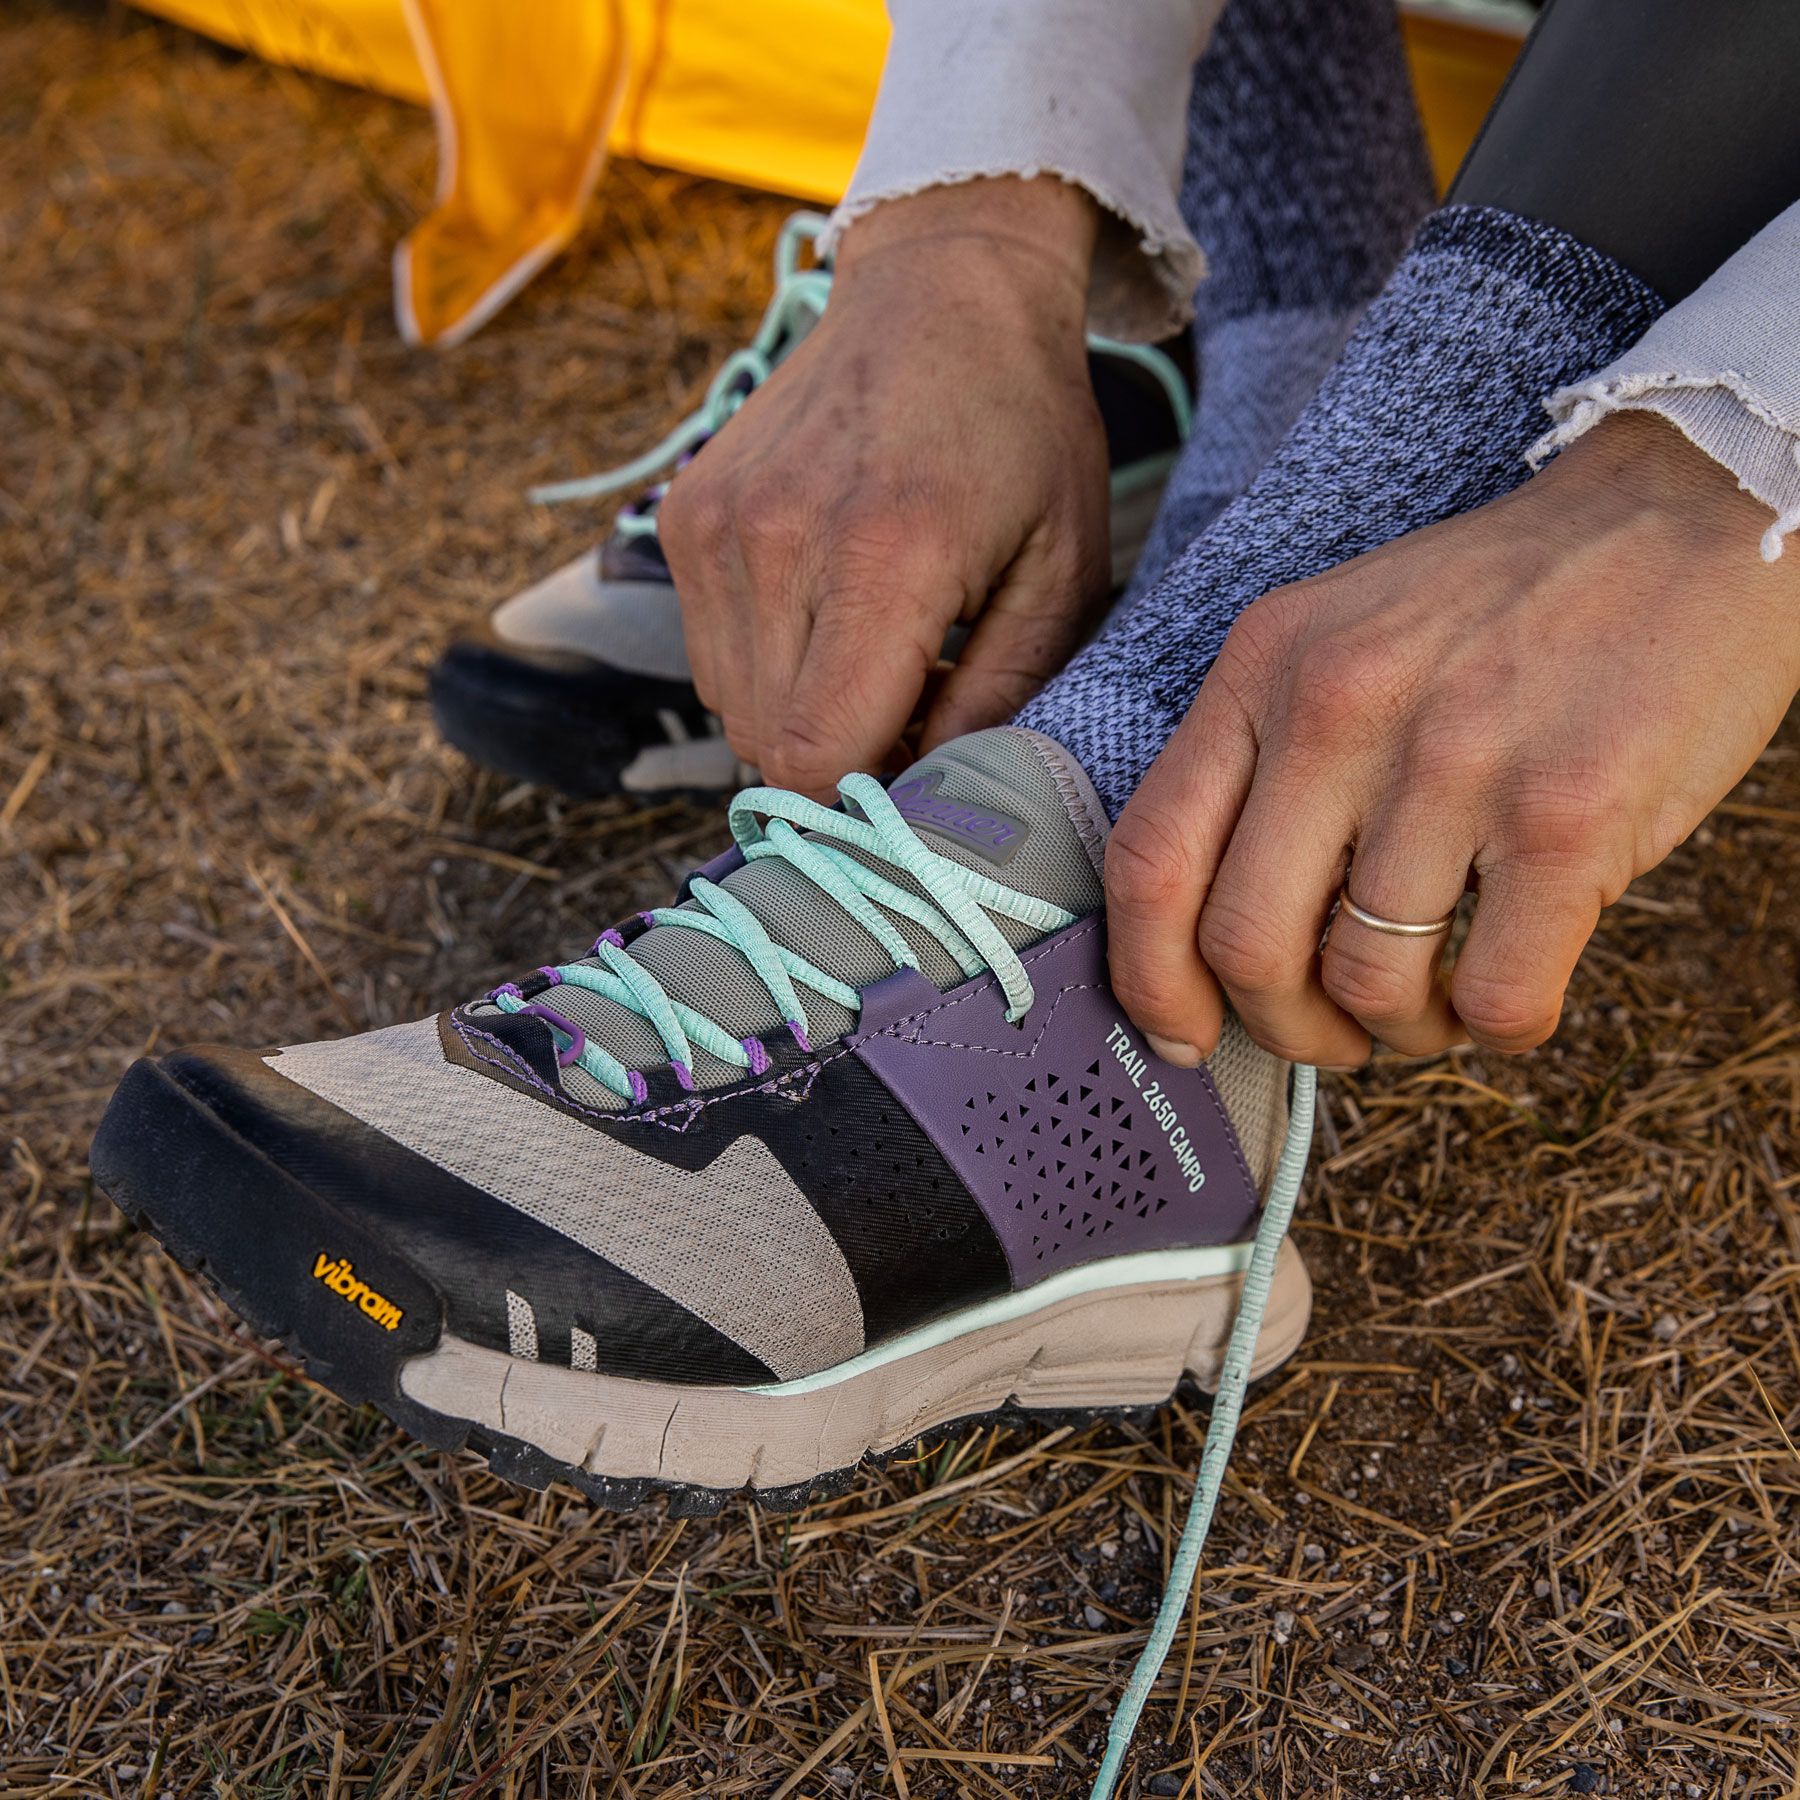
(529, 99)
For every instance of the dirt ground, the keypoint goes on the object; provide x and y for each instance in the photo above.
(1520, 1519)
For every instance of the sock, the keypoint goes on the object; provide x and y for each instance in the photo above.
(1306, 175)
(1427, 413)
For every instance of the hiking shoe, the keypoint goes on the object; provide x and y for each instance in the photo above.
(850, 1144)
(581, 682)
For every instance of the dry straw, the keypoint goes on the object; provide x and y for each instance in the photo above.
(1520, 1519)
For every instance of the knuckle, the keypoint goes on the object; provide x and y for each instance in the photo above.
(800, 755)
(875, 531)
(1145, 1003)
(1259, 642)
(1503, 1012)
(1147, 865)
(740, 736)
(1337, 683)
(769, 521)
(1366, 985)
(695, 512)
(1559, 815)
(1239, 947)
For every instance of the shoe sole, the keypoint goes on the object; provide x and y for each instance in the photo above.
(225, 1212)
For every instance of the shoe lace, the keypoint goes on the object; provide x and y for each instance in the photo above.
(1221, 1430)
(799, 299)
(798, 302)
(954, 908)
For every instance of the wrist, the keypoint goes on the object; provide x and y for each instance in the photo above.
(1034, 236)
(1643, 459)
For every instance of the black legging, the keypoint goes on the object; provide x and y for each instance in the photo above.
(1664, 132)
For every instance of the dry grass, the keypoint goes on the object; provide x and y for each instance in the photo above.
(1520, 1520)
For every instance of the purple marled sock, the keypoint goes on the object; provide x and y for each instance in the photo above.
(1306, 176)
(1427, 413)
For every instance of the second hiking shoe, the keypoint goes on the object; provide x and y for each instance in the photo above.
(850, 1144)
(581, 682)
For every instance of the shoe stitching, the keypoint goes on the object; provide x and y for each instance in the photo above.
(898, 1029)
(805, 1077)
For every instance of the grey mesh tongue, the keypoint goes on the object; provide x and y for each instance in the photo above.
(1009, 803)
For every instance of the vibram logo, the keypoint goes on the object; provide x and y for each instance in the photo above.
(338, 1275)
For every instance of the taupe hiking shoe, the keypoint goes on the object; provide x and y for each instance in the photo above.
(851, 1143)
(581, 682)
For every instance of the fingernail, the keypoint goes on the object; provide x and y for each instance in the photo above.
(1183, 1056)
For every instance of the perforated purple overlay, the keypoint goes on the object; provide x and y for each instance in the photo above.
(1076, 1140)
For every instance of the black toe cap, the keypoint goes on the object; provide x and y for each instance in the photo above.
(242, 1165)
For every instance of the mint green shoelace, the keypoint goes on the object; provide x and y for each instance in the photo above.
(799, 300)
(956, 914)
(800, 296)
(1221, 1429)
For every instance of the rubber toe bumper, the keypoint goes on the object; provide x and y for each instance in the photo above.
(291, 1264)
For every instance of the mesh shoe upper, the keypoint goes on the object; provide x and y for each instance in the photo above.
(919, 1152)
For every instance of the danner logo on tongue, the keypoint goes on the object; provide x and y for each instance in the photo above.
(993, 836)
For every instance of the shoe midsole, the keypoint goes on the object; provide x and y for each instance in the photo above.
(1121, 1344)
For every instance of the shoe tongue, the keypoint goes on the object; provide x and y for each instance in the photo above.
(1008, 803)
(1012, 804)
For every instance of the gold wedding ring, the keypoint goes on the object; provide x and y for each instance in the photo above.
(1395, 927)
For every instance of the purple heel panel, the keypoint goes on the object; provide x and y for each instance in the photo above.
(1077, 1141)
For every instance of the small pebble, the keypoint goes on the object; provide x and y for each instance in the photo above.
(1096, 1619)
(1584, 1778)
(842, 1777)
(1454, 1665)
(1313, 1553)
(1168, 1782)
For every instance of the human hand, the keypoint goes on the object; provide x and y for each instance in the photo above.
(930, 455)
(1551, 691)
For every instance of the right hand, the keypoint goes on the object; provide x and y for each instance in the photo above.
(930, 455)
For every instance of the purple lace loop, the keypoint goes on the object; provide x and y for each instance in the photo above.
(800, 1036)
(576, 1036)
(759, 1057)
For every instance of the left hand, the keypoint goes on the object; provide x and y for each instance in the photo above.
(1545, 695)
